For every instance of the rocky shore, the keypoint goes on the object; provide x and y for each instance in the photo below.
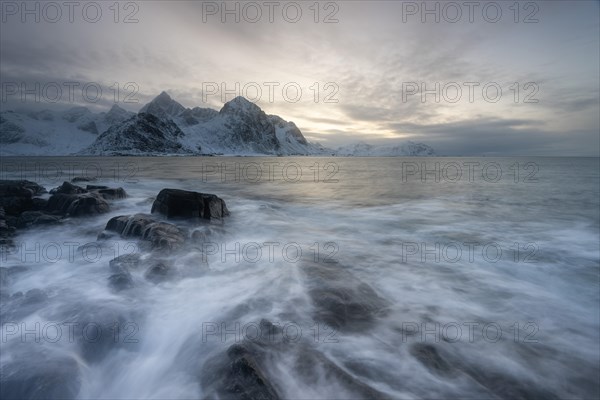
(176, 226)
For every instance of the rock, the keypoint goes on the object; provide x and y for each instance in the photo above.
(6, 231)
(242, 372)
(120, 281)
(49, 377)
(39, 204)
(429, 356)
(239, 373)
(17, 196)
(186, 204)
(32, 218)
(68, 188)
(76, 205)
(110, 193)
(162, 235)
(159, 272)
(125, 263)
(342, 301)
(95, 187)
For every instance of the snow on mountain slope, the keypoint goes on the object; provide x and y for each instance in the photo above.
(141, 134)
(240, 127)
(52, 132)
(164, 126)
(408, 148)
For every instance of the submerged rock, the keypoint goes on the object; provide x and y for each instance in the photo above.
(120, 281)
(342, 301)
(242, 371)
(125, 263)
(160, 272)
(182, 203)
(49, 377)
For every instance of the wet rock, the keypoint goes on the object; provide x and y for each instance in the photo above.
(175, 203)
(32, 218)
(162, 235)
(429, 356)
(21, 305)
(49, 377)
(342, 301)
(17, 196)
(99, 329)
(6, 231)
(7, 274)
(240, 373)
(125, 263)
(159, 272)
(506, 387)
(109, 193)
(76, 205)
(314, 367)
(68, 188)
(39, 204)
(120, 281)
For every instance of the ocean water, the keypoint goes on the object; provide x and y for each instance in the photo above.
(458, 277)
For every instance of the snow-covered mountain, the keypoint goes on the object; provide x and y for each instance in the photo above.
(55, 132)
(165, 127)
(142, 134)
(240, 127)
(408, 148)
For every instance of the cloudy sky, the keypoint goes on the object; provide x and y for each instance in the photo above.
(486, 78)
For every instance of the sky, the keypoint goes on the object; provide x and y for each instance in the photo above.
(467, 78)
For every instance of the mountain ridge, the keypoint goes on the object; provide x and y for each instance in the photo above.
(163, 126)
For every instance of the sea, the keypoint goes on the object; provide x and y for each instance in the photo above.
(412, 278)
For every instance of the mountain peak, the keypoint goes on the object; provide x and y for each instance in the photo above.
(163, 96)
(240, 105)
(163, 106)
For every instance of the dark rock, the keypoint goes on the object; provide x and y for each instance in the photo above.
(239, 373)
(125, 263)
(429, 356)
(95, 187)
(6, 231)
(186, 204)
(159, 272)
(6, 274)
(68, 188)
(77, 204)
(110, 193)
(32, 218)
(39, 204)
(161, 235)
(164, 236)
(342, 301)
(17, 196)
(242, 372)
(49, 377)
(120, 281)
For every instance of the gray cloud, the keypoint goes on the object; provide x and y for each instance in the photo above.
(369, 53)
